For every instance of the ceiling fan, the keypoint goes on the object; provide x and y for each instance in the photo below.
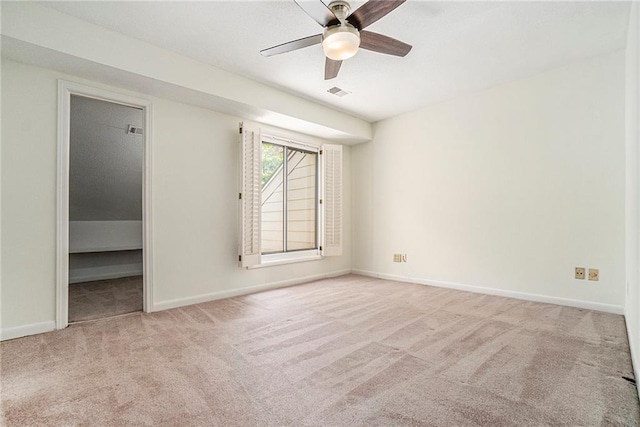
(344, 32)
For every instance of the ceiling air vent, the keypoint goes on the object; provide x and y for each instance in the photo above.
(134, 130)
(338, 92)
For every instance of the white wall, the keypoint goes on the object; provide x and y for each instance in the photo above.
(194, 202)
(97, 236)
(507, 189)
(105, 162)
(632, 311)
(28, 197)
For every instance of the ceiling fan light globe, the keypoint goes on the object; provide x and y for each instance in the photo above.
(340, 43)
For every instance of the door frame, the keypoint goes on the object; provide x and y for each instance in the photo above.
(65, 90)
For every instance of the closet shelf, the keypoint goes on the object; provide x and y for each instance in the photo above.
(104, 236)
(82, 250)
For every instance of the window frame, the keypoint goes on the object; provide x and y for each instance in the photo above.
(297, 255)
(330, 190)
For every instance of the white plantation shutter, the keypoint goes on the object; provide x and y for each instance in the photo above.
(332, 200)
(250, 197)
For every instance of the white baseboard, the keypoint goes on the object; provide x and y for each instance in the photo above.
(608, 308)
(23, 331)
(180, 302)
(102, 273)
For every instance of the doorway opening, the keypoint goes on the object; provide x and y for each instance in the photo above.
(105, 209)
(103, 205)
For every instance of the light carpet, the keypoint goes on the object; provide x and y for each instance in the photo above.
(346, 351)
(104, 298)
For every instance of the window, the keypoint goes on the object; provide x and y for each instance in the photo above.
(290, 200)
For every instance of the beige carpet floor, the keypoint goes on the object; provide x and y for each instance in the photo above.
(104, 298)
(345, 351)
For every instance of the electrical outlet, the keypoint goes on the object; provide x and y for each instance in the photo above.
(404, 257)
(580, 273)
(594, 274)
(397, 257)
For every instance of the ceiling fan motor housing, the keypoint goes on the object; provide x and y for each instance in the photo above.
(340, 9)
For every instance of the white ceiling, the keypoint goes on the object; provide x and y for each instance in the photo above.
(105, 163)
(459, 47)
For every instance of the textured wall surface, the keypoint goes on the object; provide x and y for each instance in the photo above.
(105, 163)
(509, 188)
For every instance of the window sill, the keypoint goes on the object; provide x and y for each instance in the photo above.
(288, 258)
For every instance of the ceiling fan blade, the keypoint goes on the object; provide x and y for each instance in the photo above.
(383, 44)
(331, 68)
(292, 45)
(318, 11)
(371, 11)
